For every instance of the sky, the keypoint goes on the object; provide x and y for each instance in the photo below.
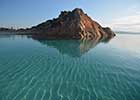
(120, 15)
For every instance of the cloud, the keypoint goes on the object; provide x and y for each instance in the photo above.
(127, 23)
(130, 22)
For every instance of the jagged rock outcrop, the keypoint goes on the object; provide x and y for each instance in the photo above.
(73, 25)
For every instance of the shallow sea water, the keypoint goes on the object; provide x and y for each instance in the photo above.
(69, 69)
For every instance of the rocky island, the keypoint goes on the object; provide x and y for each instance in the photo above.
(73, 24)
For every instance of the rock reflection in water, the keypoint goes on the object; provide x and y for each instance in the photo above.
(73, 48)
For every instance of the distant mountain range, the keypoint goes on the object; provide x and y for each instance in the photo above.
(125, 32)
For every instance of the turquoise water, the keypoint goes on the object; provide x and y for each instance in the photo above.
(69, 70)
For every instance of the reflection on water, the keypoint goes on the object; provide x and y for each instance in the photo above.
(74, 48)
(68, 70)
(128, 42)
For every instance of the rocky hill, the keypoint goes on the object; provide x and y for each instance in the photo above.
(73, 25)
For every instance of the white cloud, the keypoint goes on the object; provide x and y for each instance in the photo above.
(130, 22)
(127, 23)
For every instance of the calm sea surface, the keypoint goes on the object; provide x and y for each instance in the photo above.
(69, 69)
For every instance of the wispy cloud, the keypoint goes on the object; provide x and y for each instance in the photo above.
(131, 22)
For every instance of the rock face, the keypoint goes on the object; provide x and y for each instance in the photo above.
(73, 25)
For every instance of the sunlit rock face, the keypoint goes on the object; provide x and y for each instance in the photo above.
(71, 25)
